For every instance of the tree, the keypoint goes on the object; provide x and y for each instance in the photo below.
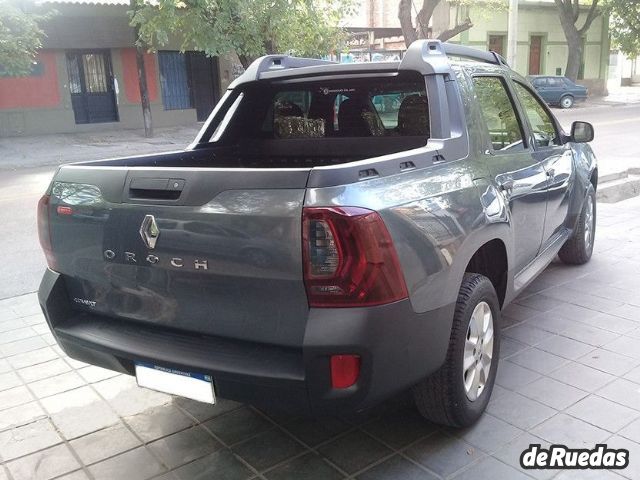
(250, 28)
(412, 33)
(625, 26)
(569, 13)
(20, 39)
(142, 78)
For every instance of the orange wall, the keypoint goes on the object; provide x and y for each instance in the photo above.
(39, 91)
(130, 74)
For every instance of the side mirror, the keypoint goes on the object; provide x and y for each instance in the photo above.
(581, 132)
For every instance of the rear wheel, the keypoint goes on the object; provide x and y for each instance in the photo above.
(578, 249)
(566, 101)
(457, 394)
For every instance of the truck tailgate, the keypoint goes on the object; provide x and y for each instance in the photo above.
(211, 251)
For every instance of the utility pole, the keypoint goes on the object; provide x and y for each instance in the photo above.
(512, 34)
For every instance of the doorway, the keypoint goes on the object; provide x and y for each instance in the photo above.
(535, 54)
(203, 75)
(91, 85)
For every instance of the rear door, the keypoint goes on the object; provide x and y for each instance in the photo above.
(555, 156)
(210, 251)
(519, 175)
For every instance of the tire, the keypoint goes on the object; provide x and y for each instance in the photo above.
(566, 101)
(443, 397)
(578, 248)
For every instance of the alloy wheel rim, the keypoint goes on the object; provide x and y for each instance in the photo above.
(478, 351)
(588, 223)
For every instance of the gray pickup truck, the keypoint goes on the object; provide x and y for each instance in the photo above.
(335, 235)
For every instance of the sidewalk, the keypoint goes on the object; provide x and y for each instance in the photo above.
(569, 373)
(52, 150)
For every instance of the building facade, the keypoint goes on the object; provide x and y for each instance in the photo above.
(86, 77)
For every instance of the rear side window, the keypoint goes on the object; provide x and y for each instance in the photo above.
(386, 106)
(501, 120)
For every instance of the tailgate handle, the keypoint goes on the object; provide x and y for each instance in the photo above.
(156, 188)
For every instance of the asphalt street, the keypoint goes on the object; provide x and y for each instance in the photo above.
(617, 145)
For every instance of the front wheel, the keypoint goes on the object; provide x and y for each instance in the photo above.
(578, 249)
(457, 394)
(566, 101)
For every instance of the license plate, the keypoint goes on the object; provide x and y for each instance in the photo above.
(196, 386)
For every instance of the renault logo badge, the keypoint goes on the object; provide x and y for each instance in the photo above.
(149, 231)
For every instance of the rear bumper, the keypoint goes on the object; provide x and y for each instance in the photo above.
(398, 348)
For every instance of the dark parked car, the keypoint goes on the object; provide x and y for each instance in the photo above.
(557, 90)
(303, 254)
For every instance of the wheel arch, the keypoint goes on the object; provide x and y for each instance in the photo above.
(491, 260)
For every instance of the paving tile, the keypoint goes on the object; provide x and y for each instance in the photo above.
(510, 347)
(77, 475)
(158, 422)
(57, 384)
(540, 302)
(238, 425)
(268, 449)
(633, 469)
(590, 335)
(630, 312)
(354, 451)
(443, 454)
(551, 322)
(45, 464)
(79, 412)
(538, 360)
(22, 346)
(609, 362)
(221, 465)
(136, 464)
(626, 346)
(511, 452)
(34, 357)
(27, 439)
(104, 443)
(21, 415)
(570, 431)
(396, 467)
(632, 431)
(587, 475)
(204, 411)
(9, 380)
(622, 391)
(313, 431)
(582, 377)
(44, 370)
(183, 447)
(574, 312)
(15, 396)
(565, 347)
(552, 393)
(633, 375)
(93, 374)
(126, 398)
(603, 413)
(527, 334)
(519, 312)
(7, 324)
(4, 366)
(307, 467)
(513, 376)
(490, 468)
(612, 323)
(488, 433)
(17, 334)
(400, 428)
(518, 410)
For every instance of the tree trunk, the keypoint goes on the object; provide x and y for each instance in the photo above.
(574, 59)
(569, 12)
(406, 24)
(144, 93)
(142, 79)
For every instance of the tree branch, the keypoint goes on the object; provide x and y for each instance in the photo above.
(424, 15)
(591, 16)
(406, 23)
(452, 32)
(576, 10)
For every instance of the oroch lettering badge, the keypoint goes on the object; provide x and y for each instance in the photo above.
(149, 231)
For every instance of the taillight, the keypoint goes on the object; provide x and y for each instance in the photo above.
(44, 232)
(349, 258)
(345, 370)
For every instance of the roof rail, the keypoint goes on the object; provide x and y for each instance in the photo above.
(276, 62)
(430, 56)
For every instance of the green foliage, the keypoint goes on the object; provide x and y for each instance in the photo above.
(625, 25)
(250, 28)
(20, 38)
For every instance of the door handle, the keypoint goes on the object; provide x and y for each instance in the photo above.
(551, 172)
(507, 185)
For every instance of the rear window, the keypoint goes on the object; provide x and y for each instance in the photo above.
(388, 105)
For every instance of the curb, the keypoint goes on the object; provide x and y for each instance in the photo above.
(616, 187)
